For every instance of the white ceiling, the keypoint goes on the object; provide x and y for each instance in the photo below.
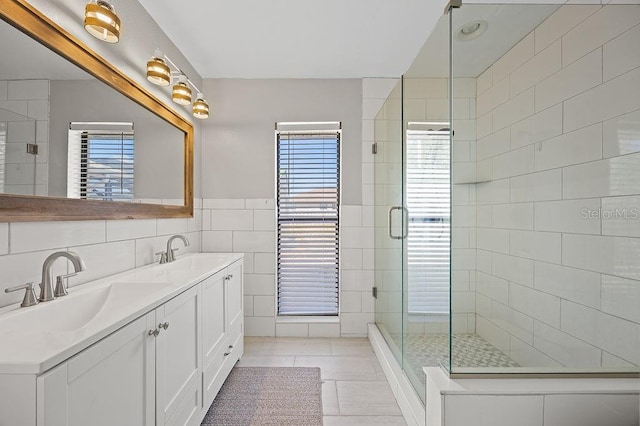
(507, 24)
(297, 38)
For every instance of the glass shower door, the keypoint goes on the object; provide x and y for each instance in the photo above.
(388, 219)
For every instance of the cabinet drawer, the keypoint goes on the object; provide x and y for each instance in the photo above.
(216, 373)
(211, 377)
(235, 341)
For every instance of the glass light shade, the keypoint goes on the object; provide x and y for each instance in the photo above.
(101, 21)
(158, 72)
(181, 93)
(200, 108)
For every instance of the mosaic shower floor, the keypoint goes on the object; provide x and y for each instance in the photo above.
(469, 350)
(430, 350)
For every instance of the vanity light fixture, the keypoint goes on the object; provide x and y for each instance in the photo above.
(101, 21)
(163, 71)
(181, 93)
(158, 71)
(200, 107)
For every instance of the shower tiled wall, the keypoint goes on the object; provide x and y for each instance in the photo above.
(24, 112)
(558, 218)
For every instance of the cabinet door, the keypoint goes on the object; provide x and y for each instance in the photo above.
(214, 330)
(110, 383)
(234, 296)
(178, 359)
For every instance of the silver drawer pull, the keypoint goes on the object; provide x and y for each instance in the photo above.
(154, 332)
(227, 353)
(164, 325)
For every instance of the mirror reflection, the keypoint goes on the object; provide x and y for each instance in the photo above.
(63, 133)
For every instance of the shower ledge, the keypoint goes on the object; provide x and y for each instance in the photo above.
(453, 402)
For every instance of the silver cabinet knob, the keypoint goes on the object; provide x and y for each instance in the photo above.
(154, 332)
(164, 325)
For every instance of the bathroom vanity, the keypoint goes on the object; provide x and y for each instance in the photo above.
(151, 346)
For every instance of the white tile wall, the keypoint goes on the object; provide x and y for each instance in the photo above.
(558, 222)
(564, 348)
(538, 68)
(567, 216)
(248, 226)
(568, 283)
(561, 22)
(608, 100)
(591, 410)
(107, 247)
(620, 135)
(581, 75)
(604, 25)
(615, 335)
(464, 410)
(621, 54)
(576, 147)
(621, 297)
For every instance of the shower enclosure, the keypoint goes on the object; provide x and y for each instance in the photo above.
(507, 194)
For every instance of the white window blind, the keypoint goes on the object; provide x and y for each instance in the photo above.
(101, 161)
(428, 202)
(308, 220)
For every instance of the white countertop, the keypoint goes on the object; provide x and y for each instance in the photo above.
(35, 339)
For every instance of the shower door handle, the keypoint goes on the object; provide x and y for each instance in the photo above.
(405, 222)
(405, 225)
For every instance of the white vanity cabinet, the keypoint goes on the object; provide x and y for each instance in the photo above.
(178, 359)
(109, 383)
(222, 300)
(163, 368)
(151, 363)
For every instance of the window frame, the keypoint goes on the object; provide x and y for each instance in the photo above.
(311, 128)
(78, 146)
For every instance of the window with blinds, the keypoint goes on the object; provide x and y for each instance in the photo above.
(101, 161)
(428, 202)
(308, 218)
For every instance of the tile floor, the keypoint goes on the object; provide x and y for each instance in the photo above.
(354, 388)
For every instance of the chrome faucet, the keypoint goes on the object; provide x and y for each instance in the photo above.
(170, 254)
(47, 291)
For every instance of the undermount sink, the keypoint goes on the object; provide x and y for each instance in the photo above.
(123, 294)
(63, 314)
(75, 311)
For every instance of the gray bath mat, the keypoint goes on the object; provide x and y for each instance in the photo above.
(268, 396)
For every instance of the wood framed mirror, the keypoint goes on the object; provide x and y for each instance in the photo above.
(21, 208)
